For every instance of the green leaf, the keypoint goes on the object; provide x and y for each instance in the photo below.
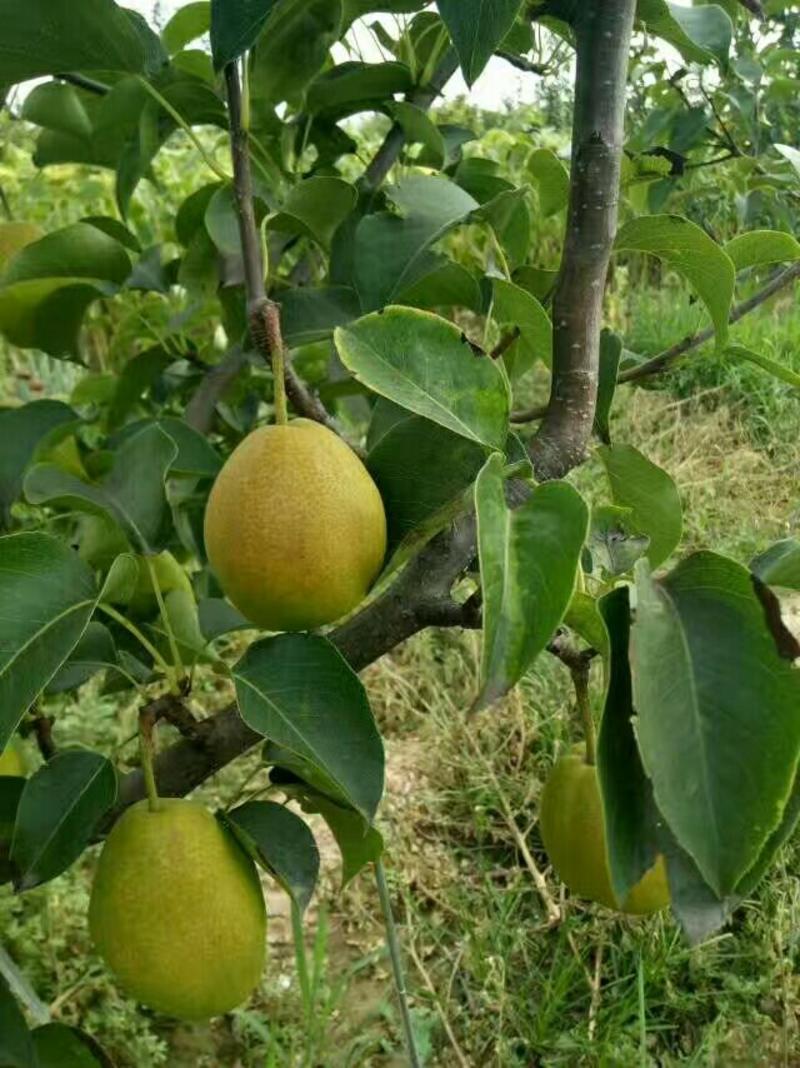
(552, 180)
(311, 314)
(94, 652)
(47, 287)
(610, 356)
(701, 34)
(359, 844)
(137, 376)
(529, 558)
(779, 565)
(628, 809)
(60, 807)
(391, 253)
(294, 47)
(60, 1046)
(612, 542)
(235, 27)
(419, 128)
(584, 618)
(791, 154)
(48, 595)
(447, 285)
(21, 431)
(196, 457)
(11, 787)
(424, 364)
(477, 27)
(298, 690)
(132, 493)
(16, 1044)
(282, 843)
(772, 367)
(762, 246)
(48, 36)
(222, 221)
(689, 250)
(314, 208)
(419, 467)
(718, 712)
(58, 107)
(515, 307)
(776, 840)
(350, 86)
(697, 908)
(650, 494)
(187, 24)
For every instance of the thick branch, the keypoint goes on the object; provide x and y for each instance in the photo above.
(390, 149)
(603, 31)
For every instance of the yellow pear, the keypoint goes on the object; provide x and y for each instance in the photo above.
(14, 236)
(12, 760)
(573, 833)
(295, 528)
(177, 911)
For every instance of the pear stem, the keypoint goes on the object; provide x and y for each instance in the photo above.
(301, 960)
(580, 680)
(393, 945)
(147, 750)
(162, 608)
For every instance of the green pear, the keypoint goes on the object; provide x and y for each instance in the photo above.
(177, 911)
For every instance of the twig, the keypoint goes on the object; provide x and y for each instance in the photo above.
(393, 945)
(505, 343)
(43, 731)
(523, 64)
(596, 987)
(663, 360)
(754, 6)
(602, 32)
(448, 1030)
(82, 82)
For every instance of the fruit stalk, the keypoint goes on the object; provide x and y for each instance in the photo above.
(393, 945)
(147, 750)
(580, 680)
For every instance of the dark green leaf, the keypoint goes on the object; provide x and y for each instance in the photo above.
(529, 558)
(418, 127)
(235, 27)
(477, 27)
(94, 652)
(48, 36)
(315, 208)
(695, 905)
(311, 314)
(293, 48)
(349, 86)
(48, 595)
(359, 844)
(11, 788)
(218, 617)
(628, 808)
(137, 376)
(689, 250)
(515, 307)
(418, 466)
(132, 493)
(448, 285)
(188, 23)
(60, 807)
(610, 356)
(21, 430)
(60, 1046)
(281, 842)
(701, 34)
(650, 494)
(424, 364)
(779, 565)
(298, 690)
(719, 712)
(16, 1044)
(196, 457)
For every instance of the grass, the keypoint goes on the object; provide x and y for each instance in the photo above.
(492, 984)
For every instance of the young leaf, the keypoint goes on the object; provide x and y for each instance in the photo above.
(16, 1044)
(628, 809)
(424, 364)
(477, 27)
(282, 843)
(689, 250)
(287, 57)
(610, 356)
(529, 558)
(351, 86)
(650, 494)
(48, 36)
(719, 712)
(132, 493)
(552, 180)
(419, 467)
(48, 595)
(298, 690)
(772, 367)
(21, 430)
(187, 24)
(235, 27)
(779, 565)
(613, 544)
(757, 247)
(60, 1046)
(60, 807)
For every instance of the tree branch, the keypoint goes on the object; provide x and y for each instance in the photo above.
(603, 31)
(82, 82)
(521, 63)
